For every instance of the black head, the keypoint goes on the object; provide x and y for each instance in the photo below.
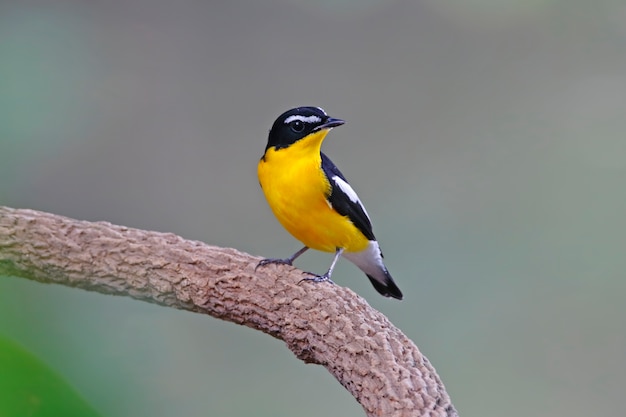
(298, 123)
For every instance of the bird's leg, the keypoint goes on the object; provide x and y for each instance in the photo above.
(287, 261)
(326, 276)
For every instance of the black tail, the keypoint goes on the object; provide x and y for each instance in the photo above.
(388, 288)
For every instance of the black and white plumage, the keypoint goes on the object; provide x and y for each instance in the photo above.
(346, 202)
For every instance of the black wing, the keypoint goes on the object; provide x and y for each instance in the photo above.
(345, 200)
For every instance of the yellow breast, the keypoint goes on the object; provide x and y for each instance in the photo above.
(296, 189)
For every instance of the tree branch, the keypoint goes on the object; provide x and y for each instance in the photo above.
(323, 324)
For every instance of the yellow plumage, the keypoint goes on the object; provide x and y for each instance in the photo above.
(296, 189)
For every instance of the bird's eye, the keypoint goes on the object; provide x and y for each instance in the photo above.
(297, 126)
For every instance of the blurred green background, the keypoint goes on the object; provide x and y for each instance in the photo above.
(487, 139)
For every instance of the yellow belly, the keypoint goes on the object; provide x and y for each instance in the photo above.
(296, 188)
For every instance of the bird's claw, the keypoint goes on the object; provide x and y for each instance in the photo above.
(316, 278)
(276, 261)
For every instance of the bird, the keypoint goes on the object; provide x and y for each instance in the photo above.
(314, 202)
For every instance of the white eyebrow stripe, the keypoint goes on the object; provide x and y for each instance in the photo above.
(349, 191)
(304, 119)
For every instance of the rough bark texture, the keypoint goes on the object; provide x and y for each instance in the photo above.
(323, 324)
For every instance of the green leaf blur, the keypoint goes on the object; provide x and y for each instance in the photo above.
(30, 388)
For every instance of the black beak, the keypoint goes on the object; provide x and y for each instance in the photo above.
(330, 123)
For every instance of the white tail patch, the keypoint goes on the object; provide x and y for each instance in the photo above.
(369, 260)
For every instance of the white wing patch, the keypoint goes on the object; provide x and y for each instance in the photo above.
(349, 191)
(303, 119)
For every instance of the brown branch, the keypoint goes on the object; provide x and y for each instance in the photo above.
(323, 324)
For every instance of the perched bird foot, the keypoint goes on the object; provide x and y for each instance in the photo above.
(316, 278)
(275, 261)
